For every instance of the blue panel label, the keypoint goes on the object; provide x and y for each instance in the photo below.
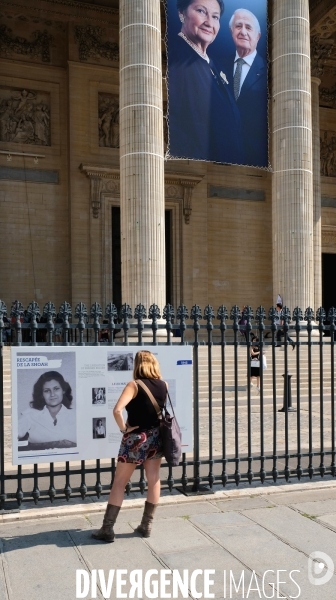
(184, 362)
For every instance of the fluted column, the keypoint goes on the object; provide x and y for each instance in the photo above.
(315, 82)
(141, 154)
(292, 192)
(321, 49)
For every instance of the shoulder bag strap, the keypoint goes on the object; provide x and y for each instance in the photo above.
(150, 396)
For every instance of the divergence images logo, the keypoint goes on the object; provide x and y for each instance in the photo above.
(320, 568)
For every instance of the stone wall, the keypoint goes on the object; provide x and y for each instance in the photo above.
(59, 107)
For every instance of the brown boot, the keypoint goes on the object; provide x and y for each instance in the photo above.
(145, 526)
(106, 532)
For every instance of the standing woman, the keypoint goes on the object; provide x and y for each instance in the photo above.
(255, 356)
(140, 444)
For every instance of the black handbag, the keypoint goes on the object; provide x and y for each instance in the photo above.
(170, 432)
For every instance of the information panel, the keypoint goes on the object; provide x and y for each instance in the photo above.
(87, 382)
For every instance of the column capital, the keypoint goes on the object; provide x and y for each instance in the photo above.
(316, 80)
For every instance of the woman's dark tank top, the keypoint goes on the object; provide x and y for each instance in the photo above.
(141, 411)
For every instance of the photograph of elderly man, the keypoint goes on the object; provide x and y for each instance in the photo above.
(247, 74)
(203, 117)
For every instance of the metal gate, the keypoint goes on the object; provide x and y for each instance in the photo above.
(284, 429)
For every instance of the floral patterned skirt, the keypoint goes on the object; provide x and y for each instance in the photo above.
(138, 447)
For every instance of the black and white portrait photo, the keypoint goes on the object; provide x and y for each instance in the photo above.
(99, 428)
(46, 402)
(117, 361)
(99, 395)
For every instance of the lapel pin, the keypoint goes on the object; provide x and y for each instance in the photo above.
(223, 76)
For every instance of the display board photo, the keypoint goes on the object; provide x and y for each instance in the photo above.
(87, 382)
(217, 81)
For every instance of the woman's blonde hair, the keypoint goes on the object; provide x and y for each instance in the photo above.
(146, 366)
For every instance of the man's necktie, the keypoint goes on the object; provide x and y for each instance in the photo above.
(237, 77)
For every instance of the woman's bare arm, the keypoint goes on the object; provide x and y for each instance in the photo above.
(129, 392)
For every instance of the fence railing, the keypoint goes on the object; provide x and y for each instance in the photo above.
(238, 435)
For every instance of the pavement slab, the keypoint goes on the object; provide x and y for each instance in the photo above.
(248, 503)
(218, 559)
(240, 532)
(296, 530)
(317, 508)
(260, 550)
(41, 562)
(328, 520)
(304, 496)
(171, 535)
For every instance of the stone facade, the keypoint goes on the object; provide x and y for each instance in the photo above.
(60, 129)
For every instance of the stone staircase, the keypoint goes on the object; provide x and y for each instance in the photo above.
(267, 374)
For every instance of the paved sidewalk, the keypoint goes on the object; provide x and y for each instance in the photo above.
(252, 528)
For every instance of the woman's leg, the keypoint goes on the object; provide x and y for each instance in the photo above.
(123, 474)
(152, 470)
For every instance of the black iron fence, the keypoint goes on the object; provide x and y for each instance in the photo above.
(238, 436)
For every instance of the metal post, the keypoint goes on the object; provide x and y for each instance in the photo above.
(287, 403)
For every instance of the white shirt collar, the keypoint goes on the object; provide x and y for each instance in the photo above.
(47, 412)
(248, 59)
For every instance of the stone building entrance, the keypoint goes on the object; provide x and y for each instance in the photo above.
(116, 256)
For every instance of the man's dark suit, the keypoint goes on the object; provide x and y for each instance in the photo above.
(253, 108)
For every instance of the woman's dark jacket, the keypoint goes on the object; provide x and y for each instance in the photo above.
(204, 121)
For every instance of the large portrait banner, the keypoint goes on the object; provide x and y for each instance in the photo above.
(217, 81)
(63, 399)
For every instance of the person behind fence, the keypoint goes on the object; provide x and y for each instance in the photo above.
(243, 322)
(50, 421)
(140, 445)
(280, 332)
(255, 361)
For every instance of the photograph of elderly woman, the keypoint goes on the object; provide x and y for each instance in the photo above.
(46, 405)
(217, 81)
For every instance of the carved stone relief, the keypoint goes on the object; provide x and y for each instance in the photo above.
(108, 120)
(328, 153)
(24, 116)
(30, 18)
(328, 97)
(38, 47)
(327, 25)
(329, 237)
(321, 49)
(91, 45)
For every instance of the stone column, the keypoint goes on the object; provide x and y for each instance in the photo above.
(315, 82)
(292, 191)
(141, 154)
(320, 50)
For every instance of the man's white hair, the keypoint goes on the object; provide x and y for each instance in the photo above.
(246, 11)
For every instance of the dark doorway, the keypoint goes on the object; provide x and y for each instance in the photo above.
(116, 257)
(169, 270)
(328, 283)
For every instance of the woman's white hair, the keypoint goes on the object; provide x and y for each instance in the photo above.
(246, 11)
